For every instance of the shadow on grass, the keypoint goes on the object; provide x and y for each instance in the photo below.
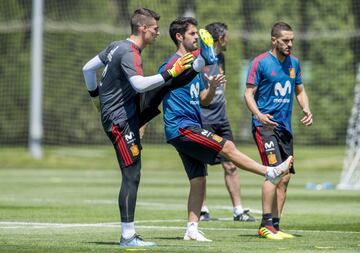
(259, 237)
(167, 243)
(169, 238)
(105, 243)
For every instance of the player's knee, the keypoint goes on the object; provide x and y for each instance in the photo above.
(284, 182)
(198, 181)
(132, 180)
(229, 148)
(230, 169)
(131, 174)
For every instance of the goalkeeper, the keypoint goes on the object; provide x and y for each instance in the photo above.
(117, 98)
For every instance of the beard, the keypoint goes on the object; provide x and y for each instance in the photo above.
(191, 47)
(284, 52)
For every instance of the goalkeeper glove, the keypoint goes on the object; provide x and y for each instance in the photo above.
(94, 95)
(183, 63)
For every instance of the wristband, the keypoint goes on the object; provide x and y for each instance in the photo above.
(94, 93)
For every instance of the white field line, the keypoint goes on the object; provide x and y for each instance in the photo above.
(40, 225)
(165, 206)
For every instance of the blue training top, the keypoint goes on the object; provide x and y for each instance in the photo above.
(275, 87)
(181, 106)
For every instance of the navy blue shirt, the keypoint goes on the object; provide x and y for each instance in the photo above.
(215, 112)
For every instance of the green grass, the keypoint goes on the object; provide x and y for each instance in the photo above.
(67, 202)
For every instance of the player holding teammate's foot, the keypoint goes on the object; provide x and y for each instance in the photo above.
(117, 98)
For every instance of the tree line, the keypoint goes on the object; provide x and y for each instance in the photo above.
(326, 42)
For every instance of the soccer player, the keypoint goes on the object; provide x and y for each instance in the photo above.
(273, 79)
(183, 127)
(214, 119)
(117, 98)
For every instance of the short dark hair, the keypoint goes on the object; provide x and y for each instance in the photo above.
(217, 30)
(180, 25)
(278, 27)
(142, 17)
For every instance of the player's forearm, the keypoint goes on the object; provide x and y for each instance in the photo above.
(142, 84)
(251, 103)
(303, 100)
(89, 72)
(207, 96)
(169, 76)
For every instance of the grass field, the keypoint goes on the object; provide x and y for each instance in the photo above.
(68, 203)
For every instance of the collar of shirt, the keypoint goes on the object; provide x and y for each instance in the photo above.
(128, 39)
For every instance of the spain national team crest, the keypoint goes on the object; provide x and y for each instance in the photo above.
(272, 158)
(292, 72)
(217, 138)
(134, 149)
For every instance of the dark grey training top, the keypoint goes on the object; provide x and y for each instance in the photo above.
(122, 60)
(215, 112)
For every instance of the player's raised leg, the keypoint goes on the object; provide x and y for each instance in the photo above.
(273, 174)
(207, 47)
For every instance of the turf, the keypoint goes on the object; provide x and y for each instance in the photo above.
(67, 202)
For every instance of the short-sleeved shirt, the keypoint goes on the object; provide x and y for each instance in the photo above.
(181, 106)
(215, 112)
(275, 87)
(122, 60)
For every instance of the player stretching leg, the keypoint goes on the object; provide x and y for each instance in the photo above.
(183, 128)
(116, 97)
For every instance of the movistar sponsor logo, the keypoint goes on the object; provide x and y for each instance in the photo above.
(269, 146)
(129, 137)
(194, 93)
(282, 91)
(281, 100)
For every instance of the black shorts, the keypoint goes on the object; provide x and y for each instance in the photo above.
(126, 140)
(223, 130)
(197, 147)
(274, 146)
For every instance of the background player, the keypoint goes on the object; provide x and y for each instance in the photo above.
(273, 79)
(214, 119)
(183, 128)
(121, 80)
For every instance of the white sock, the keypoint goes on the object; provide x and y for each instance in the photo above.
(198, 63)
(192, 227)
(238, 210)
(127, 229)
(205, 209)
